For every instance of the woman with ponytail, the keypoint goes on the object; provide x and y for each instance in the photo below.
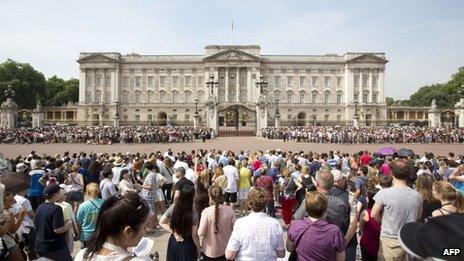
(216, 225)
(182, 222)
(121, 225)
(452, 200)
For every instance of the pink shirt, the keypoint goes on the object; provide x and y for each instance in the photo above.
(385, 169)
(214, 244)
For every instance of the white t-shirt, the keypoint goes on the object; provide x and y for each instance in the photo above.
(22, 202)
(181, 164)
(256, 237)
(231, 173)
(190, 175)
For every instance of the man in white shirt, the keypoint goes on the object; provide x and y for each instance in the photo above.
(117, 170)
(230, 192)
(256, 236)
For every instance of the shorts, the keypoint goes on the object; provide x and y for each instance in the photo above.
(230, 197)
(243, 194)
(75, 196)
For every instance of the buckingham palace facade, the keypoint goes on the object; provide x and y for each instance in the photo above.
(169, 89)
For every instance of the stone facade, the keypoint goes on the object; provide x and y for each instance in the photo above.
(161, 89)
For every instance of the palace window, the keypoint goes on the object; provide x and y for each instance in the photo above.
(289, 81)
(125, 97)
(314, 97)
(107, 97)
(365, 80)
(163, 81)
(374, 97)
(187, 97)
(137, 117)
(243, 96)
(326, 117)
(88, 80)
(108, 80)
(88, 97)
(339, 98)
(302, 97)
(356, 80)
(374, 81)
(150, 81)
(99, 80)
(175, 81)
(365, 96)
(137, 97)
(356, 96)
(302, 81)
(150, 97)
(231, 96)
(98, 96)
(175, 97)
(276, 81)
(327, 81)
(314, 81)
(138, 81)
(187, 80)
(125, 81)
(289, 97)
(326, 97)
(339, 118)
(162, 97)
(201, 96)
(201, 83)
(339, 81)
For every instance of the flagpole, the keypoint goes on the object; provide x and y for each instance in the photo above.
(232, 33)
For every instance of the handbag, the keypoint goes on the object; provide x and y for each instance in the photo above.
(294, 255)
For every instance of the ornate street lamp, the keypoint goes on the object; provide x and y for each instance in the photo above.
(9, 92)
(277, 113)
(211, 83)
(196, 105)
(261, 84)
(356, 109)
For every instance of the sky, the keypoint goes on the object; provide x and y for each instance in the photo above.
(422, 39)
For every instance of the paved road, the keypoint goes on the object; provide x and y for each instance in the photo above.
(232, 143)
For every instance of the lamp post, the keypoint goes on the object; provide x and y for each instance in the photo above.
(261, 84)
(196, 116)
(116, 114)
(9, 92)
(211, 83)
(356, 115)
(277, 113)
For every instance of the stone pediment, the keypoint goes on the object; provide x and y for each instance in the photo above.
(232, 55)
(367, 58)
(96, 58)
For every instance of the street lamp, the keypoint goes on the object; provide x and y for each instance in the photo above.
(261, 84)
(356, 109)
(9, 92)
(196, 105)
(277, 113)
(211, 83)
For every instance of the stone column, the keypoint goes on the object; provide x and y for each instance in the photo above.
(226, 83)
(211, 113)
(104, 88)
(434, 115)
(459, 112)
(82, 86)
(360, 87)
(277, 121)
(371, 90)
(116, 84)
(94, 84)
(9, 114)
(237, 85)
(249, 84)
(261, 114)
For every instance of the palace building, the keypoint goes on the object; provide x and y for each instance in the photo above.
(138, 89)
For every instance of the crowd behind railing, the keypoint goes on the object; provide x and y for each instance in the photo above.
(232, 202)
(105, 135)
(371, 134)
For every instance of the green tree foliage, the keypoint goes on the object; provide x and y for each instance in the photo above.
(30, 84)
(27, 83)
(390, 101)
(446, 94)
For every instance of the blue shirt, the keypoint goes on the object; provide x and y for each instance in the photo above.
(35, 188)
(87, 217)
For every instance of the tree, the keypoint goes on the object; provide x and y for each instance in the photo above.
(390, 101)
(27, 83)
(60, 92)
(446, 94)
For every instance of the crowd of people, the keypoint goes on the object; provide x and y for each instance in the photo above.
(371, 134)
(225, 205)
(105, 135)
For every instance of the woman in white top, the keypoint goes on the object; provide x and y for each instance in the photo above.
(125, 183)
(120, 226)
(76, 181)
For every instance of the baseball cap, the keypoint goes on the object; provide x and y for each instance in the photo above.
(51, 190)
(434, 237)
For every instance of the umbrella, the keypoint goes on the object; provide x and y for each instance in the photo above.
(386, 151)
(406, 153)
(15, 182)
